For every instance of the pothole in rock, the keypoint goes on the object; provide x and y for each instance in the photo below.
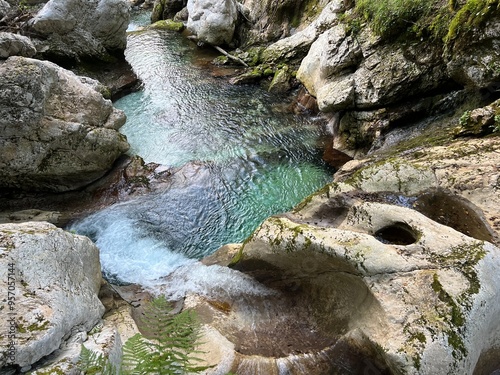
(455, 212)
(307, 320)
(397, 234)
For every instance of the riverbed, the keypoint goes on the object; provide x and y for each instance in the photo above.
(243, 156)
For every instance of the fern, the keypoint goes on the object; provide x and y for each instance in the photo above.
(167, 348)
(94, 364)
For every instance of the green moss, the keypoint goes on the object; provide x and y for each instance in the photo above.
(38, 327)
(52, 371)
(392, 17)
(325, 190)
(473, 14)
(307, 11)
(456, 317)
(442, 21)
(167, 25)
(465, 258)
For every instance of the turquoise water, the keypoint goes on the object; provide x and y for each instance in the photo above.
(244, 158)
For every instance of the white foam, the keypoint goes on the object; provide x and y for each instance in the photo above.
(126, 254)
(216, 282)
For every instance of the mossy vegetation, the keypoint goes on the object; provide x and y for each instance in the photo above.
(168, 25)
(442, 20)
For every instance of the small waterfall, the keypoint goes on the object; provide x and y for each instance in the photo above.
(240, 159)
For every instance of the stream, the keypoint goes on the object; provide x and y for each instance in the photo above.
(242, 157)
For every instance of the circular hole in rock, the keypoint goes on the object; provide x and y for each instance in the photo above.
(397, 234)
(455, 212)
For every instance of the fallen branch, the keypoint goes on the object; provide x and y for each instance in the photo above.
(237, 59)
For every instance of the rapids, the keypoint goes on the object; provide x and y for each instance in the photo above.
(245, 158)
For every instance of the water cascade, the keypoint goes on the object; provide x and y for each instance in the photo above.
(242, 158)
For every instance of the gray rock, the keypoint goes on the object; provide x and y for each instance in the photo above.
(56, 277)
(423, 292)
(15, 45)
(380, 76)
(468, 168)
(4, 8)
(337, 95)
(297, 44)
(82, 28)
(212, 21)
(477, 64)
(58, 133)
(332, 52)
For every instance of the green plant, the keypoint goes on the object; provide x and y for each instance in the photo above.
(166, 348)
(470, 16)
(92, 363)
(496, 125)
(391, 17)
(443, 21)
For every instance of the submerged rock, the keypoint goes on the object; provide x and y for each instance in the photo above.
(59, 133)
(56, 278)
(78, 29)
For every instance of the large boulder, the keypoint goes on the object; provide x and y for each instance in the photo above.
(271, 20)
(58, 132)
(15, 45)
(4, 8)
(366, 287)
(77, 29)
(54, 278)
(468, 169)
(212, 21)
(297, 45)
(346, 73)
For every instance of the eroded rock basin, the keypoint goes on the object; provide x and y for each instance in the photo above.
(351, 285)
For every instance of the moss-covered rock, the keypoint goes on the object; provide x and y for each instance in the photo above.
(425, 284)
(167, 25)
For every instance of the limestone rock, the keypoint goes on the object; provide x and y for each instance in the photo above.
(166, 9)
(106, 338)
(370, 272)
(212, 21)
(82, 28)
(269, 21)
(4, 8)
(57, 133)
(332, 52)
(468, 169)
(297, 45)
(15, 45)
(337, 95)
(477, 64)
(56, 277)
(480, 121)
(380, 76)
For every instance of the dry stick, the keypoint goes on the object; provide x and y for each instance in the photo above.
(237, 59)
